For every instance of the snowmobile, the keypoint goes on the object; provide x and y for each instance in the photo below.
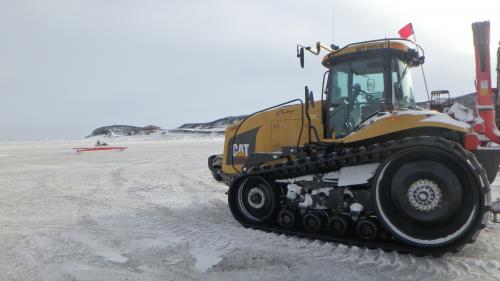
(99, 143)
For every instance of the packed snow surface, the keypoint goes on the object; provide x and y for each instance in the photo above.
(153, 212)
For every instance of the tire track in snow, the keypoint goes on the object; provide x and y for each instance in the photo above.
(160, 209)
(201, 229)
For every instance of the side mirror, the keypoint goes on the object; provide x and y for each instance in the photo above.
(300, 55)
(370, 85)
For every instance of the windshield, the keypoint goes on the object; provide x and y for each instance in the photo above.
(402, 92)
(356, 89)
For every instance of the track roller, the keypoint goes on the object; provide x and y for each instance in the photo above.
(339, 225)
(286, 219)
(367, 228)
(312, 222)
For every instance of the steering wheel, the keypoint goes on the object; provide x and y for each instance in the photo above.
(369, 97)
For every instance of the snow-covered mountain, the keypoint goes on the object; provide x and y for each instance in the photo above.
(123, 130)
(216, 126)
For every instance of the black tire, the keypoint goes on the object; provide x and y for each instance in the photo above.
(286, 219)
(367, 229)
(339, 225)
(312, 222)
(431, 195)
(252, 200)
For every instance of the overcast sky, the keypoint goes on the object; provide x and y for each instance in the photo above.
(67, 67)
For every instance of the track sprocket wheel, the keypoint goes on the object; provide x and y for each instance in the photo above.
(430, 195)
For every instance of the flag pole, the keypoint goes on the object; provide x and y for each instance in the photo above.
(422, 68)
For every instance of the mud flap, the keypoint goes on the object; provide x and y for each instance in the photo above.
(214, 164)
(489, 157)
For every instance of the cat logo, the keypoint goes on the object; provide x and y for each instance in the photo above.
(241, 150)
(241, 146)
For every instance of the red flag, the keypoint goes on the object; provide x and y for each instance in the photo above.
(406, 31)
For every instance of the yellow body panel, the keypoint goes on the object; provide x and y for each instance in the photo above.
(404, 120)
(272, 130)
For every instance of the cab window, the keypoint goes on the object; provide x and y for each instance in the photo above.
(356, 90)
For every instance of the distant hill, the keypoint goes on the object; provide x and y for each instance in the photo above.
(217, 126)
(468, 100)
(123, 130)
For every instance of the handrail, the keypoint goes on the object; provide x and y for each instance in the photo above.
(266, 109)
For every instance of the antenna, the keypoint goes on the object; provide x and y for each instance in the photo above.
(333, 26)
(385, 28)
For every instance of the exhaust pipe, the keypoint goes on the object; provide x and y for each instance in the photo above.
(484, 99)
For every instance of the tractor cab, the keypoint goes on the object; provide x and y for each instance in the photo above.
(365, 79)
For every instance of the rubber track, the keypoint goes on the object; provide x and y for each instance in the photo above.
(361, 155)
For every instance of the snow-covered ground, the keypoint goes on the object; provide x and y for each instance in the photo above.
(153, 212)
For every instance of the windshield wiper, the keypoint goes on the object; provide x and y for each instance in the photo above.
(402, 76)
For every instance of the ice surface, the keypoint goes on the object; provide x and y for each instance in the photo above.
(206, 257)
(153, 212)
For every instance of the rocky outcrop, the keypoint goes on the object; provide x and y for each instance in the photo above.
(214, 125)
(124, 130)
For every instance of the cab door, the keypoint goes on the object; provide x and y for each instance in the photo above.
(356, 89)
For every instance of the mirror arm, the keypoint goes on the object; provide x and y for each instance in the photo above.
(318, 48)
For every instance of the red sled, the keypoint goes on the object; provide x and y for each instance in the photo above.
(84, 149)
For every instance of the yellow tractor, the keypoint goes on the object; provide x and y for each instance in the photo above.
(364, 165)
